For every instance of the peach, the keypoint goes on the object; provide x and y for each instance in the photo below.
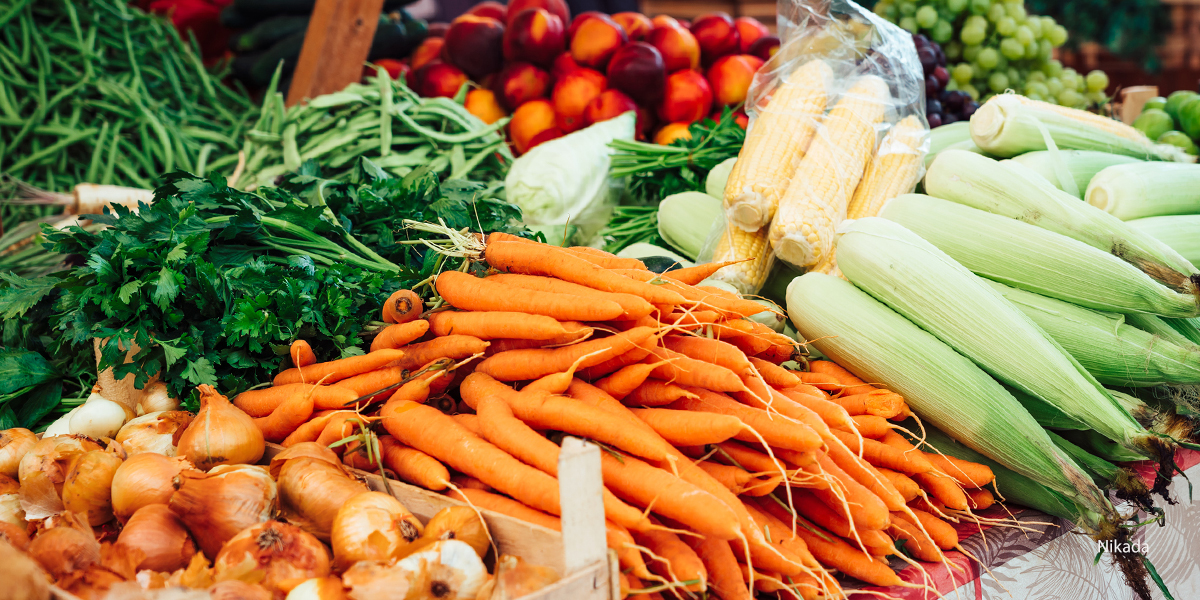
(664, 21)
(764, 47)
(686, 97)
(595, 40)
(482, 103)
(562, 65)
(677, 45)
(635, 24)
(545, 136)
(474, 44)
(429, 51)
(557, 8)
(490, 8)
(671, 132)
(749, 30)
(438, 29)
(528, 121)
(394, 68)
(572, 93)
(536, 35)
(716, 34)
(579, 19)
(637, 70)
(520, 82)
(438, 79)
(609, 104)
(731, 76)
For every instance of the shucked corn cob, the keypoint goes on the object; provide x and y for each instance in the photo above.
(734, 244)
(895, 169)
(774, 144)
(820, 190)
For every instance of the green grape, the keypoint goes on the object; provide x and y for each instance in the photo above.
(942, 33)
(977, 22)
(1096, 96)
(1006, 26)
(1069, 97)
(908, 24)
(998, 82)
(953, 50)
(971, 52)
(995, 13)
(963, 73)
(1054, 86)
(1032, 96)
(1031, 50)
(881, 8)
(1024, 35)
(1036, 87)
(1052, 68)
(956, 6)
(1057, 35)
(1097, 81)
(1045, 49)
(1035, 26)
(1014, 76)
(980, 7)
(1002, 63)
(988, 58)
(908, 9)
(970, 91)
(1048, 23)
(970, 36)
(1011, 48)
(952, 85)
(1016, 11)
(927, 16)
(1037, 76)
(890, 13)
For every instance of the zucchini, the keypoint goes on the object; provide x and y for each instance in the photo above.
(268, 33)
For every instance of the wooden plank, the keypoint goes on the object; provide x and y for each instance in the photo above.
(580, 492)
(335, 47)
(1133, 99)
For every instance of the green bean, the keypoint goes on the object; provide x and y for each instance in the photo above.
(31, 158)
(291, 152)
(385, 113)
(94, 164)
(110, 162)
(17, 8)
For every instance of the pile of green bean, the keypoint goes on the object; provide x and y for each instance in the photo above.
(382, 120)
(98, 91)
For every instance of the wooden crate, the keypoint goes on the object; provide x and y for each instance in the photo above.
(763, 10)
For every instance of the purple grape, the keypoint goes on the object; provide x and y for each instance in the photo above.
(932, 86)
(969, 109)
(949, 118)
(933, 106)
(941, 55)
(935, 120)
(942, 75)
(920, 39)
(953, 100)
(928, 59)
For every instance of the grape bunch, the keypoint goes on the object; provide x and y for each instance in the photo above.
(942, 105)
(995, 45)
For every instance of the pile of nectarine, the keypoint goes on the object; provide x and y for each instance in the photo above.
(554, 74)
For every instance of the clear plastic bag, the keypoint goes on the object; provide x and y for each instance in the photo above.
(841, 80)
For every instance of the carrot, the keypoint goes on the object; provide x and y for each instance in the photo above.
(469, 483)
(419, 388)
(292, 413)
(867, 510)
(471, 423)
(944, 488)
(692, 372)
(966, 474)
(871, 426)
(865, 474)
(750, 460)
(545, 411)
(651, 487)
(518, 365)
(711, 351)
(654, 392)
(498, 426)
(467, 292)
(402, 306)
(813, 509)
(788, 555)
(724, 576)
(673, 559)
(372, 381)
(554, 262)
(851, 385)
(634, 307)
(980, 499)
(723, 302)
(690, 320)
(882, 455)
(773, 374)
(916, 542)
(880, 403)
(775, 430)
(576, 332)
(337, 370)
(739, 481)
(428, 430)
(262, 402)
(750, 337)
(831, 413)
(604, 259)
(395, 336)
(487, 325)
(688, 428)
(310, 431)
(783, 349)
(942, 533)
(903, 483)
(625, 380)
(339, 427)
(555, 383)
(698, 273)
(876, 542)
(302, 354)
(455, 347)
(820, 380)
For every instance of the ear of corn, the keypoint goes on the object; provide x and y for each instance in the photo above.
(989, 185)
(1102, 471)
(948, 136)
(899, 268)
(947, 389)
(1113, 352)
(1158, 326)
(1146, 189)
(1009, 124)
(1180, 232)
(747, 276)
(686, 219)
(895, 169)
(1047, 263)
(1188, 328)
(1097, 444)
(967, 145)
(774, 144)
(1046, 415)
(820, 189)
(1082, 165)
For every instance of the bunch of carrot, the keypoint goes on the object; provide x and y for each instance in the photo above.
(724, 469)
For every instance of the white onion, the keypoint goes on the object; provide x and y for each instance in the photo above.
(98, 417)
(154, 432)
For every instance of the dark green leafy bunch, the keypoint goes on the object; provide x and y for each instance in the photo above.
(1131, 29)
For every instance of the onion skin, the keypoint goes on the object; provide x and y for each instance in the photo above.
(232, 589)
(449, 570)
(145, 479)
(157, 432)
(220, 434)
(315, 489)
(65, 548)
(14, 443)
(217, 505)
(325, 588)
(52, 457)
(371, 526)
(23, 578)
(460, 523)
(161, 536)
(284, 555)
(17, 536)
(88, 487)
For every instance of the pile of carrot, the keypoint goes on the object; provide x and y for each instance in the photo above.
(726, 467)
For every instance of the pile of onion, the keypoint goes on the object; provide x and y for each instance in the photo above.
(221, 434)
(276, 555)
(44, 469)
(313, 486)
(372, 526)
(145, 479)
(160, 536)
(157, 432)
(217, 505)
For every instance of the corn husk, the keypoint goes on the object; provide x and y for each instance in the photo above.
(1180, 232)
(1159, 327)
(1104, 473)
(1047, 263)
(1146, 189)
(944, 387)
(954, 135)
(1080, 165)
(992, 186)
(1188, 328)
(899, 268)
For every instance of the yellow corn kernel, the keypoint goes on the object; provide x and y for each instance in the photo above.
(734, 244)
(895, 169)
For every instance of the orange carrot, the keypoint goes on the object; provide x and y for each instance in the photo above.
(310, 431)
(467, 292)
(419, 388)
(604, 259)
(867, 510)
(820, 380)
(942, 533)
(263, 402)
(724, 302)
(337, 370)
(831, 413)
(487, 325)
(783, 349)
(749, 336)
(519, 365)
(880, 403)
(710, 351)
(553, 262)
(455, 347)
(625, 380)
(372, 381)
(967, 474)
(395, 336)
(903, 483)
(980, 499)
(340, 426)
(750, 460)
(865, 474)
(688, 428)
(576, 332)
(776, 430)
(774, 374)
(851, 385)
(944, 488)
(675, 561)
(882, 455)
(871, 426)
(739, 481)
(690, 320)
(724, 576)
(302, 354)
(402, 306)
(471, 423)
(651, 487)
(692, 372)
(555, 383)
(810, 507)
(634, 307)
(916, 542)
(290, 414)
(698, 273)
(654, 392)
(792, 556)
(412, 465)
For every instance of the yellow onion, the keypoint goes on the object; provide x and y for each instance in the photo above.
(14, 443)
(215, 506)
(221, 434)
(21, 577)
(449, 570)
(516, 578)
(277, 555)
(460, 523)
(11, 512)
(156, 398)
(371, 526)
(17, 536)
(160, 536)
(52, 457)
(323, 588)
(91, 583)
(67, 546)
(232, 589)
(88, 487)
(157, 432)
(313, 486)
(145, 479)
(372, 579)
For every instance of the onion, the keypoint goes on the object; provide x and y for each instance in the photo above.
(313, 486)
(17, 536)
(371, 526)
(52, 457)
(215, 506)
(156, 398)
(220, 434)
(449, 570)
(516, 578)
(460, 523)
(66, 547)
(278, 555)
(21, 576)
(232, 589)
(99, 417)
(11, 512)
(154, 432)
(88, 487)
(145, 479)
(369, 580)
(14, 443)
(91, 583)
(324, 588)
(61, 425)
(160, 535)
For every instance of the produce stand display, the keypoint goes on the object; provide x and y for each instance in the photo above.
(549, 307)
